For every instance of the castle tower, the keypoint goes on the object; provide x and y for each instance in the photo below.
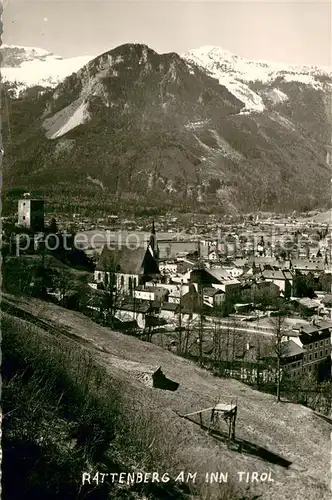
(31, 213)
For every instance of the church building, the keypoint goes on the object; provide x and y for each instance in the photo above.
(128, 268)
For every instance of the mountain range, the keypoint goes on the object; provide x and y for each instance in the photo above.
(131, 128)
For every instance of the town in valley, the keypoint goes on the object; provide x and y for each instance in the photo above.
(234, 295)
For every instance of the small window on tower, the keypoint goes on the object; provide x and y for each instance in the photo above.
(23, 217)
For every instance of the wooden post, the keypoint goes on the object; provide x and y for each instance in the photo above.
(229, 428)
(211, 419)
(201, 419)
(201, 328)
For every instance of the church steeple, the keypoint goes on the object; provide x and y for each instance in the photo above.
(153, 244)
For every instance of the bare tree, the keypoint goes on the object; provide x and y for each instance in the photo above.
(152, 321)
(180, 340)
(228, 330)
(111, 290)
(258, 362)
(278, 324)
(17, 276)
(201, 327)
(188, 337)
(63, 282)
(216, 338)
(149, 322)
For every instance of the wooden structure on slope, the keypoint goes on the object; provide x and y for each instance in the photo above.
(219, 412)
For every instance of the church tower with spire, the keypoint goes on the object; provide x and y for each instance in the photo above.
(153, 243)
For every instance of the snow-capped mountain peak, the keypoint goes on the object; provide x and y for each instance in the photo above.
(29, 66)
(26, 53)
(206, 53)
(249, 68)
(238, 73)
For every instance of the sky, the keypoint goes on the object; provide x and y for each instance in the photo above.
(296, 32)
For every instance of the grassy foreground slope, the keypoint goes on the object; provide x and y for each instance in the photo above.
(288, 440)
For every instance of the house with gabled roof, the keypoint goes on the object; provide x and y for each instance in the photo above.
(261, 263)
(282, 278)
(326, 304)
(215, 277)
(292, 358)
(150, 293)
(315, 338)
(306, 306)
(213, 297)
(306, 265)
(256, 287)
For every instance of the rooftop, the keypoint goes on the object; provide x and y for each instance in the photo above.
(277, 275)
(308, 264)
(218, 272)
(308, 303)
(290, 349)
(152, 289)
(327, 300)
(312, 328)
(124, 260)
(169, 306)
(211, 291)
